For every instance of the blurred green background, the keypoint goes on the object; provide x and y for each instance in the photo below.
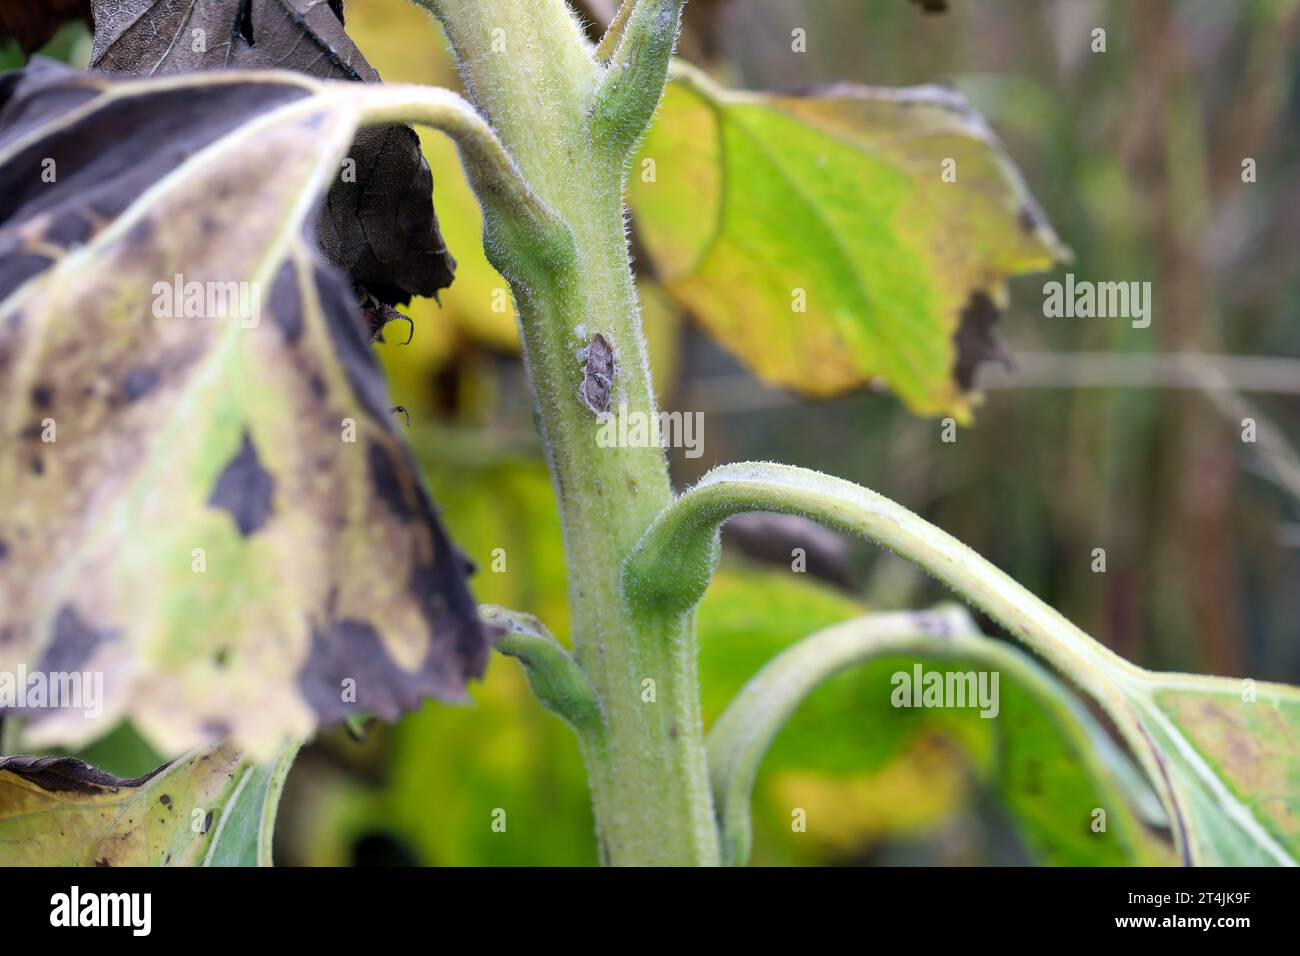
(1094, 442)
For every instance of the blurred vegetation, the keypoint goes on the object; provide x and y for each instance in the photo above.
(1135, 155)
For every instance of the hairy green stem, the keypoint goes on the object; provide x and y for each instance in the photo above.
(530, 70)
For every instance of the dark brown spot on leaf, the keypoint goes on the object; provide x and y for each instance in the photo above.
(350, 650)
(1028, 219)
(97, 181)
(73, 641)
(245, 489)
(68, 228)
(139, 382)
(286, 303)
(352, 345)
(385, 481)
(448, 610)
(15, 269)
(977, 340)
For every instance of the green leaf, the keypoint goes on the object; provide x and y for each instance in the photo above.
(219, 515)
(1046, 759)
(209, 807)
(837, 198)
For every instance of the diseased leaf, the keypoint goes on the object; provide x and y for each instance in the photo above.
(294, 571)
(507, 750)
(208, 807)
(1230, 752)
(378, 223)
(816, 237)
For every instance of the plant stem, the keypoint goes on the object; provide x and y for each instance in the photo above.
(530, 70)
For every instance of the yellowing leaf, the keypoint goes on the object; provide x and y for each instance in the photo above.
(207, 807)
(211, 507)
(818, 238)
(916, 792)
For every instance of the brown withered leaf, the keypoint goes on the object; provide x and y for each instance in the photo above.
(33, 24)
(378, 223)
(203, 496)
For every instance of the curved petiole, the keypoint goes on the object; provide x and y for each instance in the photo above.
(671, 567)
